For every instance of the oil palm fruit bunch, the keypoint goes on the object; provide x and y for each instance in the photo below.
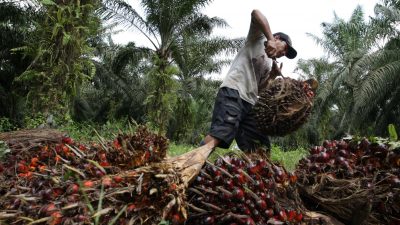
(243, 190)
(363, 171)
(284, 105)
(73, 183)
(138, 149)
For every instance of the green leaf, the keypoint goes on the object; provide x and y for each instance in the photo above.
(66, 38)
(163, 222)
(392, 132)
(47, 2)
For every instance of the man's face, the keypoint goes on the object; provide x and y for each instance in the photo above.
(282, 47)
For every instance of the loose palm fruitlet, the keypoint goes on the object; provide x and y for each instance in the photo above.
(244, 190)
(356, 180)
(284, 105)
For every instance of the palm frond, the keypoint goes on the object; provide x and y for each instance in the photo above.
(124, 14)
(377, 84)
(130, 54)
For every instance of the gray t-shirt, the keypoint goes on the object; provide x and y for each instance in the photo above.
(251, 66)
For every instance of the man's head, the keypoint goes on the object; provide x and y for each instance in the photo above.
(290, 51)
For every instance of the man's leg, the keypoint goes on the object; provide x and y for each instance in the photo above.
(249, 137)
(226, 118)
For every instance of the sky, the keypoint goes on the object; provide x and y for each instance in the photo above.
(293, 17)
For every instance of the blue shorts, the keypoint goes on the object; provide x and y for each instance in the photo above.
(233, 119)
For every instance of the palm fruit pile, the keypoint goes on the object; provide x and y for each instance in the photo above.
(240, 189)
(73, 183)
(355, 180)
(284, 105)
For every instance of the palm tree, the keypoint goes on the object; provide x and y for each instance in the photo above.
(16, 22)
(164, 24)
(376, 99)
(346, 43)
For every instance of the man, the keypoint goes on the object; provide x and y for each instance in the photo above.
(250, 71)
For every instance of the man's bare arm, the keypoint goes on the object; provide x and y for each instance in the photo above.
(262, 21)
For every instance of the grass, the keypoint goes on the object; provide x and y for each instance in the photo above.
(288, 158)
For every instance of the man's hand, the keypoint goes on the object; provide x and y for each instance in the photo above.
(271, 48)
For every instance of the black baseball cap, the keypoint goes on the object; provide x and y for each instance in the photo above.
(291, 53)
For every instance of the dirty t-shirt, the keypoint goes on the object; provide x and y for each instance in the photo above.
(250, 67)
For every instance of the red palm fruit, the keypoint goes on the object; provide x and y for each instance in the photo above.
(282, 215)
(261, 163)
(209, 220)
(82, 147)
(49, 209)
(116, 144)
(270, 199)
(117, 179)
(280, 176)
(16, 203)
(34, 161)
(176, 219)
(199, 180)
(104, 164)
(269, 213)
(81, 218)
(46, 194)
(314, 150)
(261, 204)
(214, 171)
(56, 218)
(291, 215)
(72, 189)
(342, 145)
(343, 153)
(248, 221)
(22, 168)
(340, 160)
(238, 193)
(326, 144)
(253, 169)
(229, 184)
(239, 178)
(88, 184)
(67, 140)
(364, 145)
(299, 217)
(292, 177)
(131, 208)
(73, 198)
(243, 209)
(103, 157)
(99, 173)
(323, 157)
(106, 182)
(262, 195)
(259, 184)
(270, 184)
(59, 148)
